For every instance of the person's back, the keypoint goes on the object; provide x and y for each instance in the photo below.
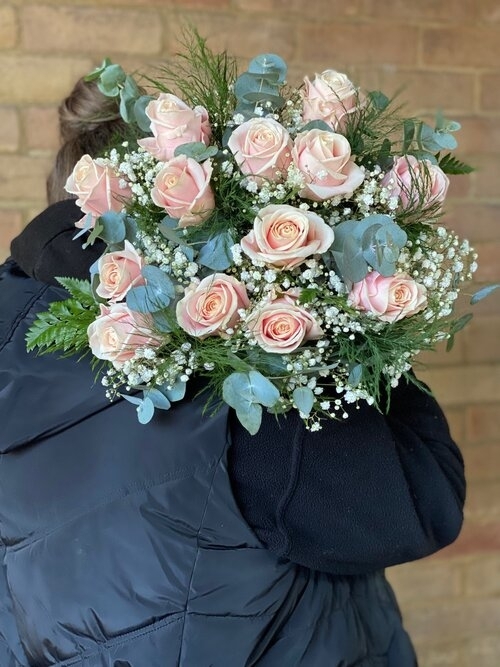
(124, 545)
(187, 542)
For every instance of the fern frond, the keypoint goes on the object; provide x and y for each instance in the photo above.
(81, 290)
(63, 327)
(450, 165)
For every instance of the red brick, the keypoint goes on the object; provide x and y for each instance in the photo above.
(478, 135)
(482, 423)
(10, 226)
(421, 11)
(442, 655)
(475, 538)
(474, 220)
(30, 79)
(483, 502)
(335, 44)
(97, 30)
(482, 577)
(460, 185)
(464, 384)
(23, 178)
(482, 340)
(323, 9)
(483, 651)
(488, 260)
(8, 28)
(9, 130)
(40, 126)
(464, 619)
(482, 462)
(461, 47)
(425, 580)
(225, 31)
(423, 92)
(490, 92)
(486, 176)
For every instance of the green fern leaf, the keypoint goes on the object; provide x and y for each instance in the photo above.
(63, 327)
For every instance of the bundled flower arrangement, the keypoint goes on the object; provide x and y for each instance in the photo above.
(283, 242)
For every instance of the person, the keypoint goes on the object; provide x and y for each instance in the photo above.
(188, 542)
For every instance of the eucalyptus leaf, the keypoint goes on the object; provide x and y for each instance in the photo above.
(113, 227)
(111, 80)
(462, 322)
(445, 141)
(139, 111)
(159, 283)
(162, 321)
(408, 134)
(378, 100)
(145, 411)
(317, 125)
(96, 73)
(157, 397)
(176, 392)
(355, 375)
(250, 417)
(135, 400)
(216, 254)
(197, 151)
(303, 397)
(267, 63)
(483, 293)
(241, 389)
(264, 99)
(94, 234)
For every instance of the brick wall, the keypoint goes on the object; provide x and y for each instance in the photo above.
(448, 52)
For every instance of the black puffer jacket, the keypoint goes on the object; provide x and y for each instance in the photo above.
(187, 542)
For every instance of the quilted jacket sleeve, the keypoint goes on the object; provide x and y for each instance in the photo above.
(364, 493)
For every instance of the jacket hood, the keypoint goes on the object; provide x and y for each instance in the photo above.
(45, 249)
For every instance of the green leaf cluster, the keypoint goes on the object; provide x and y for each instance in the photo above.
(260, 85)
(63, 327)
(201, 77)
(375, 241)
(112, 81)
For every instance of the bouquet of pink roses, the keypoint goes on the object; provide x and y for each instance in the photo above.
(283, 242)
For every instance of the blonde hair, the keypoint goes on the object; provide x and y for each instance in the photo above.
(89, 122)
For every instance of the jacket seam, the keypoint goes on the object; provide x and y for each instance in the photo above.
(22, 314)
(290, 490)
(138, 488)
(198, 548)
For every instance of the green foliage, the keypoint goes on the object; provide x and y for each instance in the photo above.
(63, 327)
(451, 165)
(375, 241)
(112, 81)
(247, 393)
(260, 85)
(374, 128)
(202, 77)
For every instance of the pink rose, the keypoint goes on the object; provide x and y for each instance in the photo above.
(281, 326)
(118, 272)
(117, 333)
(182, 188)
(261, 147)
(328, 98)
(389, 298)
(416, 182)
(284, 236)
(174, 123)
(97, 187)
(324, 159)
(210, 307)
